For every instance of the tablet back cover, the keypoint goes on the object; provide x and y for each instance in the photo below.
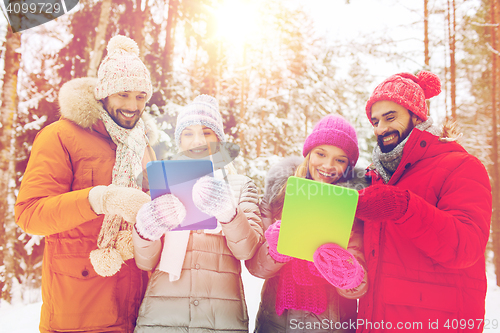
(178, 177)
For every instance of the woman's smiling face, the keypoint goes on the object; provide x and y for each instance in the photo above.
(196, 141)
(327, 163)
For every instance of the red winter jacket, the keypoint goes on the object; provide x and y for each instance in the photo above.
(427, 269)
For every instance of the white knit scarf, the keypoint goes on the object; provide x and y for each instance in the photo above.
(115, 238)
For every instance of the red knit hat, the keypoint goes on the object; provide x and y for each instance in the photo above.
(336, 131)
(407, 90)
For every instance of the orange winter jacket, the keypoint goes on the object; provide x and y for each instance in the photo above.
(68, 158)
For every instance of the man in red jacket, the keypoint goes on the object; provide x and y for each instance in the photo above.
(426, 218)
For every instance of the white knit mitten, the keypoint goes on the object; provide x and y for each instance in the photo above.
(159, 216)
(214, 197)
(117, 200)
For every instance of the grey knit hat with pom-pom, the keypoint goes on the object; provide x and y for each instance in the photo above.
(204, 110)
(122, 70)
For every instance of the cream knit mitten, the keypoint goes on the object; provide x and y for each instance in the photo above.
(159, 216)
(117, 200)
(214, 197)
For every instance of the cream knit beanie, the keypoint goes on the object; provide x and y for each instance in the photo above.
(204, 110)
(122, 70)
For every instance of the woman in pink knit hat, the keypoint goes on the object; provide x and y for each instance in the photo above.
(299, 295)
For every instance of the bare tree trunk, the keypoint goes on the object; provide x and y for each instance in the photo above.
(173, 6)
(426, 35)
(426, 45)
(137, 31)
(262, 119)
(446, 69)
(453, 68)
(243, 95)
(7, 113)
(494, 153)
(100, 42)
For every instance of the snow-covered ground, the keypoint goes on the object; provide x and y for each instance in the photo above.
(24, 318)
(19, 317)
(492, 301)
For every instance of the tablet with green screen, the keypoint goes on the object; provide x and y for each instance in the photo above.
(313, 214)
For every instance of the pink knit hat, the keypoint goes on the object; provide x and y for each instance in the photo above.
(407, 90)
(122, 70)
(336, 131)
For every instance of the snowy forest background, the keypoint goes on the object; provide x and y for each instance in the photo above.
(274, 71)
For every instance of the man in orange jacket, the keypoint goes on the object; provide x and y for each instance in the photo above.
(82, 189)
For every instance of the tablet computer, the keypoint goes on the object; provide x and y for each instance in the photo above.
(315, 213)
(178, 177)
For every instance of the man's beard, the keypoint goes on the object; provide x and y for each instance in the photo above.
(113, 113)
(120, 123)
(388, 148)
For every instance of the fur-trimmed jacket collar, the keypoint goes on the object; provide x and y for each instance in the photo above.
(78, 104)
(278, 175)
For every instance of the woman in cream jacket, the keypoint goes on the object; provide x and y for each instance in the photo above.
(196, 285)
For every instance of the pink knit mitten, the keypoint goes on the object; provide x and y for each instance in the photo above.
(159, 216)
(338, 266)
(272, 234)
(214, 197)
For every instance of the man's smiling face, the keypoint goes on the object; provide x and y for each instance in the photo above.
(392, 123)
(126, 107)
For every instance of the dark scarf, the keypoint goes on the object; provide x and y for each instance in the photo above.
(387, 163)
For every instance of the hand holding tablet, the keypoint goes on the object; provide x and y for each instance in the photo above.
(178, 178)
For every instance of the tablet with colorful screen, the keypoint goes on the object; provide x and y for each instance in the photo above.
(313, 214)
